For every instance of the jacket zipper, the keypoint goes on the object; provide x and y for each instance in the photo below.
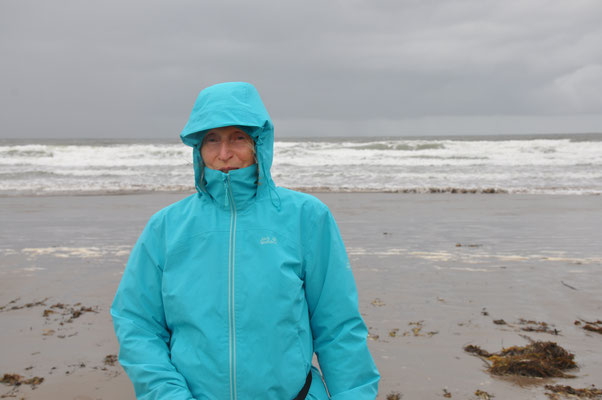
(231, 311)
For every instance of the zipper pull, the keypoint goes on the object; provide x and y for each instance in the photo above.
(226, 192)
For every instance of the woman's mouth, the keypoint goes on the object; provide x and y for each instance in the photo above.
(227, 169)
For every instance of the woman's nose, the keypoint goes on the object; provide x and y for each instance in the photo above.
(225, 150)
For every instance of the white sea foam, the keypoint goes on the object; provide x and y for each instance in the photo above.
(76, 252)
(461, 256)
(33, 269)
(533, 165)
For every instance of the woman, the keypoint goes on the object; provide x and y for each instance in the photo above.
(229, 292)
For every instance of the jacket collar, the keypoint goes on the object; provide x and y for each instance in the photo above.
(239, 185)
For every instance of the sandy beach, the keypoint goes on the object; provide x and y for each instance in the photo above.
(434, 271)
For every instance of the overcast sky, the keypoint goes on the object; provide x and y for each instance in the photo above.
(133, 68)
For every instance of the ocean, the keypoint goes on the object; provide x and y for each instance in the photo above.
(537, 164)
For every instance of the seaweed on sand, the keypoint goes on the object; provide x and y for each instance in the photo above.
(536, 326)
(483, 395)
(569, 392)
(417, 328)
(67, 312)
(18, 380)
(592, 326)
(28, 305)
(530, 326)
(471, 348)
(111, 359)
(537, 359)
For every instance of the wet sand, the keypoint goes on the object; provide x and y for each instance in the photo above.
(434, 271)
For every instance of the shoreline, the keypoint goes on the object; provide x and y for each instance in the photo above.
(308, 190)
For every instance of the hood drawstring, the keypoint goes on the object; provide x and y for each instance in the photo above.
(272, 189)
(275, 198)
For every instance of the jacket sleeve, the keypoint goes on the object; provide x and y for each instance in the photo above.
(139, 322)
(340, 335)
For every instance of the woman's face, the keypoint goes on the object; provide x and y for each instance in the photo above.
(227, 148)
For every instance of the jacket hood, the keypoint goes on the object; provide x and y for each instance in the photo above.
(231, 104)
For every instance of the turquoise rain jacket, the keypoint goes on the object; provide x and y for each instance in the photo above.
(229, 292)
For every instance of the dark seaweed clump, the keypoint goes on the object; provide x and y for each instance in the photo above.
(18, 380)
(538, 359)
(110, 359)
(592, 326)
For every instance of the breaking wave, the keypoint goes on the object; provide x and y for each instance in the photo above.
(492, 165)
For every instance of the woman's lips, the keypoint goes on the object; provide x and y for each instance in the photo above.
(228, 169)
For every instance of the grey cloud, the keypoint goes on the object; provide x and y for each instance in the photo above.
(73, 68)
